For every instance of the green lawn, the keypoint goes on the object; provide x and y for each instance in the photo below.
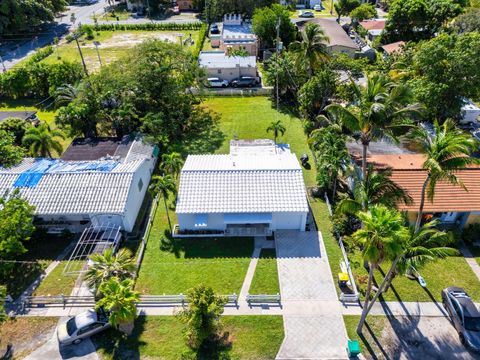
(249, 117)
(57, 283)
(265, 279)
(113, 46)
(372, 333)
(250, 337)
(452, 271)
(318, 14)
(172, 266)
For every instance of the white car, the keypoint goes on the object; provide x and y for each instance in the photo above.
(217, 82)
(317, 7)
(82, 326)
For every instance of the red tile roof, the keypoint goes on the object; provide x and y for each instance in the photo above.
(373, 24)
(393, 47)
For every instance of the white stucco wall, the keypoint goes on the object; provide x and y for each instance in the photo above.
(231, 73)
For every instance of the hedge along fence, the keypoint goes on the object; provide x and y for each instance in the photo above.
(201, 40)
(146, 27)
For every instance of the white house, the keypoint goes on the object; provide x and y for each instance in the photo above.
(256, 189)
(235, 33)
(470, 112)
(218, 64)
(76, 194)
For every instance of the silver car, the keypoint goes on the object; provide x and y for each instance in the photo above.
(217, 82)
(465, 316)
(82, 326)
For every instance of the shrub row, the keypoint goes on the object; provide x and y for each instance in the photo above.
(40, 54)
(146, 27)
(201, 40)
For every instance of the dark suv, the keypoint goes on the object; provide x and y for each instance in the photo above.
(244, 81)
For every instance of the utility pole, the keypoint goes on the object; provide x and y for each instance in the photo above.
(331, 8)
(3, 64)
(81, 54)
(96, 43)
(278, 46)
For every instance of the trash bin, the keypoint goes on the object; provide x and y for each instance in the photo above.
(342, 279)
(353, 348)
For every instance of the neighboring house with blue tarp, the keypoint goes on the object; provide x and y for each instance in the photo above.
(73, 194)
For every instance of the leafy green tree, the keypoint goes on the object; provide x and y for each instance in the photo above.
(3, 294)
(375, 189)
(344, 7)
(379, 111)
(468, 22)
(42, 140)
(381, 237)
(16, 225)
(418, 19)
(213, 10)
(314, 95)
(10, 154)
(118, 297)
(362, 12)
(264, 23)
(78, 119)
(172, 163)
(104, 266)
(447, 150)
(329, 146)
(290, 77)
(277, 128)
(15, 127)
(312, 50)
(435, 69)
(202, 316)
(164, 186)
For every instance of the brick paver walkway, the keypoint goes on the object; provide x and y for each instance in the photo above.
(305, 277)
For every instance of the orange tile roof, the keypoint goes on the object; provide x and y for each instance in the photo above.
(393, 47)
(373, 24)
(407, 173)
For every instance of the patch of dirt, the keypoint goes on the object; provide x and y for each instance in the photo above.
(26, 334)
(131, 39)
(425, 338)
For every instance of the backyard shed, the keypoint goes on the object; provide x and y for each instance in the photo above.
(256, 189)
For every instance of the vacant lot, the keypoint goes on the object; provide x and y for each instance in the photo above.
(160, 337)
(112, 45)
(425, 338)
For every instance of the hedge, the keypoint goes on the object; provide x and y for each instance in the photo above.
(201, 40)
(146, 27)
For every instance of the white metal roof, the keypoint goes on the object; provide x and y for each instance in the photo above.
(242, 183)
(66, 192)
(218, 59)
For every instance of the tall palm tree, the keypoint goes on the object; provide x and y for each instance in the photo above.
(312, 49)
(172, 163)
(120, 299)
(376, 188)
(379, 111)
(447, 150)
(107, 265)
(331, 153)
(277, 128)
(164, 185)
(381, 237)
(42, 140)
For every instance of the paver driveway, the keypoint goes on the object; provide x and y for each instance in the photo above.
(305, 276)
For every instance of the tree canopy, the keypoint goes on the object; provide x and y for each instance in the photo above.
(468, 22)
(264, 24)
(10, 154)
(21, 15)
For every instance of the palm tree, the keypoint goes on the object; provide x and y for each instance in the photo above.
(172, 163)
(447, 150)
(120, 265)
(331, 153)
(164, 185)
(312, 49)
(120, 299)
(65, 94)
(381, 237)
(41, 140)
(376, 188)
(277, 128)
(378, 111)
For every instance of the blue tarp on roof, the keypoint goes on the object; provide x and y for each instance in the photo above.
(32, 176)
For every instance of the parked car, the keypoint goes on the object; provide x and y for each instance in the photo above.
(317, 7)
(465, 316)
(216, 82)
(244, 81)
(82, 326)
(307, 14)
(176, 10)
(214, 29)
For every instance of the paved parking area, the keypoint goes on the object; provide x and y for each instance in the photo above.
(305, 277)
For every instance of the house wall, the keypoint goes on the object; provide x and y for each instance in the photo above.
(251, 48)
(185, 4)
(187, 222)
(231, 73)
(473, 218)
(342, 49)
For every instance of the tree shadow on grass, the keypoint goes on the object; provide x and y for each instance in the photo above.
(119, 346)
(208, 247)
(214, 348)
(373, 352)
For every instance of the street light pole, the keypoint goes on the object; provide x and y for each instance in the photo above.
(96, 43)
